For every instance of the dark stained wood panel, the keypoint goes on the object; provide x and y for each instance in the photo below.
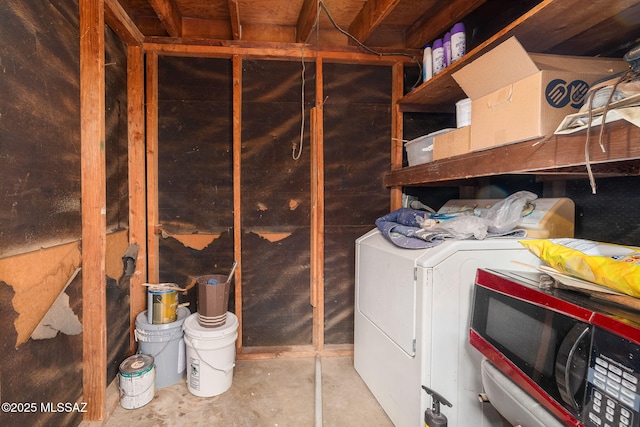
(195, 181)
(275, 292)
(40, 125)
(339, 274)
(610, 215)
(116, 145)
(356, 155)
(275, 201)
(116, 157)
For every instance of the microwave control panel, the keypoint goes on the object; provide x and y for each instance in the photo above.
(613, 386)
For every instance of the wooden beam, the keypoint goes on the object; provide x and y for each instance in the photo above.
(169, 15)
(237, 203)
(397, 130)
(137, 184)
(306, 20)
(277, 51)
(153, 220)
(370, 17)
(438, 20)
(317, 210)
(93, 193)
(120, 22)
(234, 15)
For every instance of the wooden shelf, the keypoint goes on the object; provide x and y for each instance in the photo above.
(540, 30)
(558, 156)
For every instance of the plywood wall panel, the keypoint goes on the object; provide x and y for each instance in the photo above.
(40, 125)
(357, 138)
(116, 146)
(195, 145)
(275, 201)
(41, 371)
(275, 293)
(339, 290)
(40, 195)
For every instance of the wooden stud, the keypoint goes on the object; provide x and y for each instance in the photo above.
(153, 216)
(397, 77)
(93, 192)
(137, 184)
(237, 211)
(317, 215)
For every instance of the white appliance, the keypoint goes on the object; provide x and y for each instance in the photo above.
(412, 317)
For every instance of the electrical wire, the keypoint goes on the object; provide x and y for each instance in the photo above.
(628, 76)
(368, 49)
(320, 5)
(304, 68)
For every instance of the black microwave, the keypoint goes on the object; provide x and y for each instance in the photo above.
(578, 357)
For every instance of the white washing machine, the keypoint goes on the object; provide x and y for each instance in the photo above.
(412, 316)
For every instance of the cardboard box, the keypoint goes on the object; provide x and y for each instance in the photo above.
(516, 96)
(452, 143)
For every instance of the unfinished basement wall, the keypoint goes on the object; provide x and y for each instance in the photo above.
(40, 210)
(195, 185)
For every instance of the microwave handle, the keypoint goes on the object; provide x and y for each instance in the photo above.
(565, 360)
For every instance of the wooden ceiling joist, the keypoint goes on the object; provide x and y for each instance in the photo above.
(306, 20)
(234, 16)
(370, 17)
(169, 15)
(437, 21)
(120, 22)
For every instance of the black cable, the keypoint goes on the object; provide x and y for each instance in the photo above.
(368, 49)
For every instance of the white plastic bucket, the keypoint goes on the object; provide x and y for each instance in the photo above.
(211, 355)
(165, 343)
(136, 381)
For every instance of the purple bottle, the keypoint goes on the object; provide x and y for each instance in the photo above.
(458, 42)
(446, 46)
(437, 53)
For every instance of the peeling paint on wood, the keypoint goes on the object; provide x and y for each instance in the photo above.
(37, 278)
(197, 241)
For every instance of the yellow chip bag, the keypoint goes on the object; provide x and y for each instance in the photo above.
(614, 266)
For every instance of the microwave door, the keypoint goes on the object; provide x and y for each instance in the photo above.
(572, 365)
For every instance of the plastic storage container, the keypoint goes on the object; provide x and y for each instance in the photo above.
(420, 150)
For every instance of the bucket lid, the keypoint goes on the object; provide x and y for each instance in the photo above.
(193, 328)
(142, 320)
(135, 365)
(159, 291)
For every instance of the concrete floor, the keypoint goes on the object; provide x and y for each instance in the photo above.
(265, 392)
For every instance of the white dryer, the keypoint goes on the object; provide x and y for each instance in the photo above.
(412, 318)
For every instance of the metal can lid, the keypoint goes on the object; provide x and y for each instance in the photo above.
(136, 365)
